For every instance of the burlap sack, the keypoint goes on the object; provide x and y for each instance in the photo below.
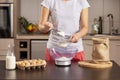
(100, 50)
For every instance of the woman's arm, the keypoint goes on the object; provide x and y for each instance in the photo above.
(84, 26)
(44, 25)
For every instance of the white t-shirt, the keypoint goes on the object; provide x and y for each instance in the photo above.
(65, 16)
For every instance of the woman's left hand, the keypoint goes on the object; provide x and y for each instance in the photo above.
(74, 38)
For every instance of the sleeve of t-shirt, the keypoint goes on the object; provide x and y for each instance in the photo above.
(46, 3)
(85, 4)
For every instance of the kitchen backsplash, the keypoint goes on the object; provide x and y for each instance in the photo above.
(31, 10)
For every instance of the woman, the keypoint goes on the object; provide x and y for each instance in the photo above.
(68, 16)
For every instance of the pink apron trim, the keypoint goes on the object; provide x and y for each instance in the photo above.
(78, 57)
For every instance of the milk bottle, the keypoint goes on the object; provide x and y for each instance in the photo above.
(10, 58)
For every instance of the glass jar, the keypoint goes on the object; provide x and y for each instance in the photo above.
(10, 58)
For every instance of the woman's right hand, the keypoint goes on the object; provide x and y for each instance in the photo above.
(47, 26)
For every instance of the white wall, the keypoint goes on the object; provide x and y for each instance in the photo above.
(31, 10)
(95, 10)
(103, 8)
(111, 6)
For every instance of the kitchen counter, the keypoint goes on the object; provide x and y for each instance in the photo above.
(53, 72)
(46, 36)
(32, 36)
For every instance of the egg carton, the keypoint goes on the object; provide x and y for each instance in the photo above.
(34, 64)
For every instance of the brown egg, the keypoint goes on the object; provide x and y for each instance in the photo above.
(43, 62)
(30, 61)
(35, 60)
(18, 63)
(38, 62)
(39, 59)
(25, 61)
(23, 64)
(27, 64)
(33, 63)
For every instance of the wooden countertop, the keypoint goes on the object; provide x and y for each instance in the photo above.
(32, 36)
(53, 72)
(46, 36)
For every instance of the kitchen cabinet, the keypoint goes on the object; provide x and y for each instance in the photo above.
(4, 47)
(114, 51)
(33, 46)
(22, 49)
(87, 44)
(38, 49)
(5, 41)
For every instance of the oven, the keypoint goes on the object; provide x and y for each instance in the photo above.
(6, 18)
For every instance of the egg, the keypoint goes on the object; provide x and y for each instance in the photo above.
(27, 64)
(22, 64)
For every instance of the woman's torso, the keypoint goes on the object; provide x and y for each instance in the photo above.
(65, 16)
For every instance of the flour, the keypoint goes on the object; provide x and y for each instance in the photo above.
(61, 33)
(63, 44)
(63, 59)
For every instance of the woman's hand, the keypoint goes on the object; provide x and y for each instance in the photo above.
(47, 26)
(74, 38)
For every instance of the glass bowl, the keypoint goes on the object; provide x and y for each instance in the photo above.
(63, 56)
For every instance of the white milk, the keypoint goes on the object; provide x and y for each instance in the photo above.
(10, 62)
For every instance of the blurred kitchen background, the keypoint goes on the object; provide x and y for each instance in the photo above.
(32, 44)
(99, 8)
